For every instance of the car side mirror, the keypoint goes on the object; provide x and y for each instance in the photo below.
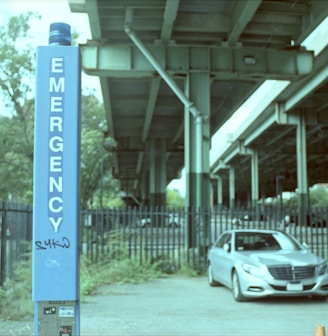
(305, 245)
(226, 247)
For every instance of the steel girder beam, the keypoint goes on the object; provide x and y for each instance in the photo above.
(242, 13)
(224, 63)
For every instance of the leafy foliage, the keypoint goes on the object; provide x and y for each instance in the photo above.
(17, 63)
(97, 182)
(16, 128)
(319, 197)
(174, 199)
(115, 267)
(15, 295)
(17, 78)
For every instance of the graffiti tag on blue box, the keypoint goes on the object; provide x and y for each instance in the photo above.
(52, 243)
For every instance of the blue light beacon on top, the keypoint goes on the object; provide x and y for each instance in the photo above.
(60, 34)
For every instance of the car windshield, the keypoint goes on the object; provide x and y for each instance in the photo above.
(253, 241)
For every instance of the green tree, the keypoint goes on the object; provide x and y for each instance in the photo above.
(319, 196)
(17, 63)
(17, 106)
(97, 182)
(16, 158)
(17, 77)
(174, 198)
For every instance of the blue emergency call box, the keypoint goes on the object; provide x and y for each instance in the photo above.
(56, 202)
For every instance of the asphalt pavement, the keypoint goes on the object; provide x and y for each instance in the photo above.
(183, 306)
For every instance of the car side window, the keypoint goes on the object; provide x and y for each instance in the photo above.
(225, 239)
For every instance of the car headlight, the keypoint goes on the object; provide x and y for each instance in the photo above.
(254, 270)
(322, 268)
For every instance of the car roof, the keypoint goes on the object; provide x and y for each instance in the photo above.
(253, 230)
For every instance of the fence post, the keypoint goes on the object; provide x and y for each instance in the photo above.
(29, 215)
(3, 253)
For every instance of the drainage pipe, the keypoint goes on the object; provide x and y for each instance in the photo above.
(199, 117)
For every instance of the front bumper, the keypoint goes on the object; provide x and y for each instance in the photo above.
(256, 287)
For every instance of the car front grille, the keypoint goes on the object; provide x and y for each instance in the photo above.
(289, 272)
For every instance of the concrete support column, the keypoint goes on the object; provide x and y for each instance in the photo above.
(197, 140)
(302, 179)
(157, 175)
(255, 177)
(197, 148)
(145, 188)
(232, 187)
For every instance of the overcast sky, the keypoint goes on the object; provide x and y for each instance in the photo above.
(51, 11)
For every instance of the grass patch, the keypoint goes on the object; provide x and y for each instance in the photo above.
(114, 267)
(108, 271)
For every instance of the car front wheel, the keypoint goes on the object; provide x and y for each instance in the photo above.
(236, 291)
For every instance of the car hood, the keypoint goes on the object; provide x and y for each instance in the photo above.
(301, 257)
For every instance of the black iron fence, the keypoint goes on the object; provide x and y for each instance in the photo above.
(172, 237)
(178, 237)
(15, 234)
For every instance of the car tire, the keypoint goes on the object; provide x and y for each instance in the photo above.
(211, 281)
(236, 291)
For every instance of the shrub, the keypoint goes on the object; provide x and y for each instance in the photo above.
(15, 295)
(16, 299)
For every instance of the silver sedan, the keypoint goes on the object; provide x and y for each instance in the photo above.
(260, 263)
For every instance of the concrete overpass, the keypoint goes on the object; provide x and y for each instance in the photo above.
(172, 72)
(281, 147)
